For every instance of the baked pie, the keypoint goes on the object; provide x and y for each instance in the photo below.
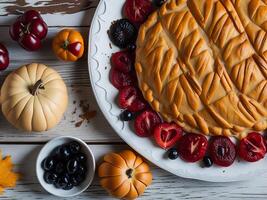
(203, 65)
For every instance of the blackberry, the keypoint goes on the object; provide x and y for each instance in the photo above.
(122, 33)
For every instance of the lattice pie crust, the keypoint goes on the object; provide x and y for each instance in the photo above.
(203, 65)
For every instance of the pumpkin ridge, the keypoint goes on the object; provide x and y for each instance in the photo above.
(26, 106)
(9, 111)
(32, 82)
(119, 185)
(8, 98)
(50, 109)
(45, 96)
(36, 98)
(141, 180)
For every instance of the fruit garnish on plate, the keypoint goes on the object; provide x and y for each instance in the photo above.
(130, 98)
(192, 147)
(145, 123)
(120, 79)
(122, 33)
(252, 148)
(167, 134)
(29, 30)
(125, 175)
(137, 11)
(122, 61)
(8, 178)
(65, 166)
(68, 45)
(222, 151)
(4, 57)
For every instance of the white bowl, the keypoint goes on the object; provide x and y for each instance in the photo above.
(90, 164)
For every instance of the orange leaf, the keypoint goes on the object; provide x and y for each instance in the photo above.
(8, 178)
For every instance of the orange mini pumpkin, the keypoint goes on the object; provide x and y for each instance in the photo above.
(124, 174)
(68, 45)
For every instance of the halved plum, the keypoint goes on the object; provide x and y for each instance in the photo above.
(131, 98)
(222, 151)
(137, 11)
(252, 148)
(145, 123)
(192, 147)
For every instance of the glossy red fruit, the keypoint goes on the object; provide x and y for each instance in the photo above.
(137, 11)
(192, 147)
(222, 151)
(122, 61)
(120, 79)
(29, 29)
(30, 42)
(167, 134)
(4, 57)
(252, 148)
(131, 98)
(75, 48)
(145, 123)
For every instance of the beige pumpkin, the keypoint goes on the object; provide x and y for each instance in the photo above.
(34, 97)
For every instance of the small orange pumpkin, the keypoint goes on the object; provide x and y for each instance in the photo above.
(124, 174)
(68, 45)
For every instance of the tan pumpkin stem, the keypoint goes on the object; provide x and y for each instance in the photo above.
(129, 173)
(38, 85)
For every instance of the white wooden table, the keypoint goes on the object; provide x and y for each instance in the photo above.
(24, 147)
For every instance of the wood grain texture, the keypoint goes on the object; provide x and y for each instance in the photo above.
(77, 80)
(164, 186)
(54, 12)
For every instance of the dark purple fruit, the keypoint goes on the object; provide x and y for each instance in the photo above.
(60, 168)
(69, 186)
(74, 181)
(64, 151)
(62, 181)
(49, 163)
(72, 166)
(122, 33)
(50, 178)
(80, 157)
(126, 115)
(74, 147)
(82, 170)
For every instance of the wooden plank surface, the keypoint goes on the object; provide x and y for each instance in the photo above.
(54, 12)
(165, 185)
(77, 80)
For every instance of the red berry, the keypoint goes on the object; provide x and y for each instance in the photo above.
(145, 123)
(192, 147)
(120, 79)
(252, 148)
(122, 61)
(167, 134)
(222, 151)
(130, 98)
(137, 11)
(4, 57)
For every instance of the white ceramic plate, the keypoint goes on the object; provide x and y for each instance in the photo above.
(106, 94)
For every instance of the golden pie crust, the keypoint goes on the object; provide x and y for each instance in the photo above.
(203, 65)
